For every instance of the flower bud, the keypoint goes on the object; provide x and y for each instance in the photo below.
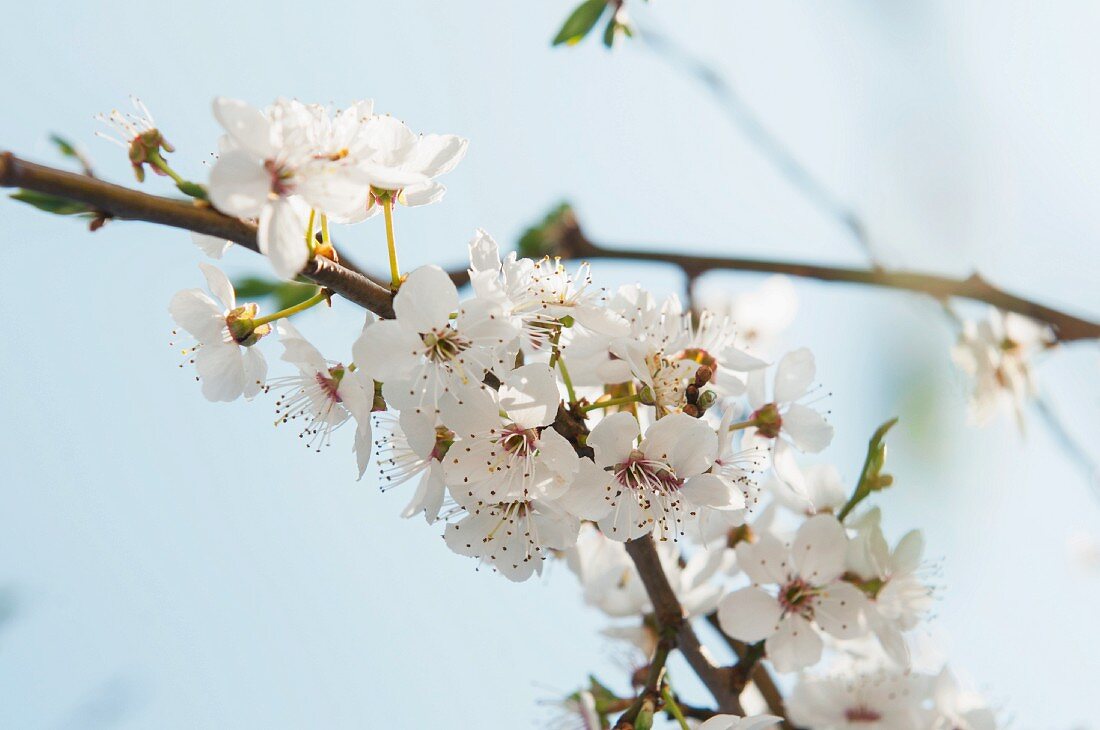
(645, 396)
(707, 399)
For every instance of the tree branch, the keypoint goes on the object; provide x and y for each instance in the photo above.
(670, 615)
(760, 675)
(119, 202)
(566, 239)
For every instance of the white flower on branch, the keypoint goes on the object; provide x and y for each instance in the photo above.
(808, 595)
(659, 483)
(886, 699)
(899, 599)
(424, 353)
(411, 446)
(276, 166)
(227, 363)
(323, 396)
(504, 448)
(996, 353)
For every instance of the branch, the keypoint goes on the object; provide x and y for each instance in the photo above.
(119, 202)
(670, 616)
(761, 677)
(566, 239)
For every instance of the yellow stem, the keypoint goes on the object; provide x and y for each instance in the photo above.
(395, 271)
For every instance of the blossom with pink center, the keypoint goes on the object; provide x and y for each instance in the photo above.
(633, 488)
(806, 595)
(504, 446)
(323, 396)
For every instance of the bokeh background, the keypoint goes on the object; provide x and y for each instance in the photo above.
(167, 562)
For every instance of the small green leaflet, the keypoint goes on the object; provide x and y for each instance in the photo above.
(580, 22)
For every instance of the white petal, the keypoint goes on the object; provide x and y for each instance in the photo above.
(807, 428)
(387, 350)
(245, 125)
(426, 300)
(475, 415)
(793, 375)
(764, 561)
(362, 445)
(197, 313)
(819, 549)
(613, 438)
(255, 372)
(484, 253)
(588, 497)
(212, 246)
(219, 285)
(907, 554)
(436, 154)
(429, 495)
(529, 395)
(839, 611)
(424, 193)
(794, 646)
(221, 370)
(711, 490)
(560, 459)
(239, 184)
(749, 614)
(282, 237)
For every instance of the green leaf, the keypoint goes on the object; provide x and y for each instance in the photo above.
(582, 20)
(283, 294)
(609, 32)
(51, 203)
(542, 239)
(67, 148)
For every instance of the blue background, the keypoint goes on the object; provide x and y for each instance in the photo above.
(172, 563)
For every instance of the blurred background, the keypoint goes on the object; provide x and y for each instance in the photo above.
(168, 562)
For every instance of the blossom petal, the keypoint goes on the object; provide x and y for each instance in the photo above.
(239, 184)
(387, 350)
(282, 237)
(839, 611)
(613, 438)
(711, 490)
(219, 285)
(749, 614)
(246, 126)
(795, 645)
(426, 300)
(429, 495)
(589, 496)
(197, 313)
(764, 561)
(472, 416)
(807, 428)
(212, 246)
(255, 372)
(793, 375)
(819, 549)
(436, 154)
(221, 370)
(424, 193)
(529, 395)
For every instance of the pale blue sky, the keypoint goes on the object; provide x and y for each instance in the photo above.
(181, 564)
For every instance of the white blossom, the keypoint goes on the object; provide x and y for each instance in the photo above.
(227, 363)
(807, 595)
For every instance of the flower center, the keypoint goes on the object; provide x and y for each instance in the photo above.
(330, 385)
(798, 597)
(444, 345)
(519, 441)
(280, 178)
(241, 328)
(639, 473)
(768, 421)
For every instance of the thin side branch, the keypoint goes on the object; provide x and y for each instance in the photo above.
(670, 615)
(118, 202)
(571, 242)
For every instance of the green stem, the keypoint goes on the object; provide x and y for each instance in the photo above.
(185, 186)
(870, 478)
(620, 401)
(395, 270)
(567, 380)
(317, 298)
(673, 707)
(743, 424)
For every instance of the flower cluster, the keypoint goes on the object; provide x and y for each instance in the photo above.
(542, 416)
